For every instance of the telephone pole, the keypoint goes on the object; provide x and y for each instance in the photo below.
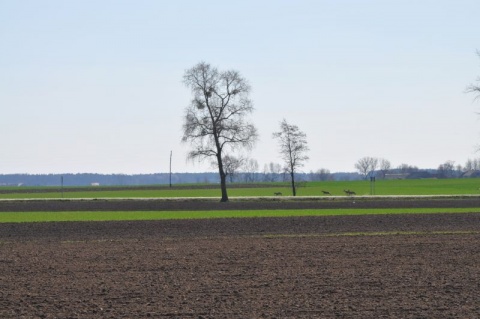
(170, 169)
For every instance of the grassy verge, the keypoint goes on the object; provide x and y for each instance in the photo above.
(22, 217)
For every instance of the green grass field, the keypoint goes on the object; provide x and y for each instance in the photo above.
(381, 187)
(16, 217)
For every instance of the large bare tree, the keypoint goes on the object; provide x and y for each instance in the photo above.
(216, 120)
(293, 148)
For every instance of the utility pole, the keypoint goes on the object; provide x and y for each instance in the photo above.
(62, 185)
(372, 185)
(170, 169)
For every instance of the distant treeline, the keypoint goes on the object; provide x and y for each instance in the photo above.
(88, 179)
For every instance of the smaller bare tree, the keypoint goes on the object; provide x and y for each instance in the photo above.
(469, 165)
(385, 166)
(293, 148)
(366, 166)
(272, 172)
(231, 165)
(250, 170)
(446, 170)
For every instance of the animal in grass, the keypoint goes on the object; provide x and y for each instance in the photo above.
(326, 193)
(349, 192)
(277, 193)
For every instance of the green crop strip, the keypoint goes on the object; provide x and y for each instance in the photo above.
(19, 217)
(460, 186)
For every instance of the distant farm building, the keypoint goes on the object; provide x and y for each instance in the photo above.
(471, 174)
(396, 176)
(412, 175)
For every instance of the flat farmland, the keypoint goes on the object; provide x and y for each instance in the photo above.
(364, 266)
(460, 186)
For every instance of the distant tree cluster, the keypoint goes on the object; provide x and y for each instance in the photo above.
(472, 165)
(407, 168)
(446, 170)
(367, 166)
(273, 172)
(322, 174)
(371, 166)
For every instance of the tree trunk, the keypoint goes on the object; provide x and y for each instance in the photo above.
(223, 186)
(223, 179)
(294, 191)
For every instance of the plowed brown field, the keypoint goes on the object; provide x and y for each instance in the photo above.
(382, 266)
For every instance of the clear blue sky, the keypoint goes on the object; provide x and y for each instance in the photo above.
(95, 85)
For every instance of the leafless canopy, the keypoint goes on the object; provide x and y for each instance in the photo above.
(293, 148)
(216, 120)
(366, 165)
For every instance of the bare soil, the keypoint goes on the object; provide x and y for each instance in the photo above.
(388, 266)
(164, 204)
